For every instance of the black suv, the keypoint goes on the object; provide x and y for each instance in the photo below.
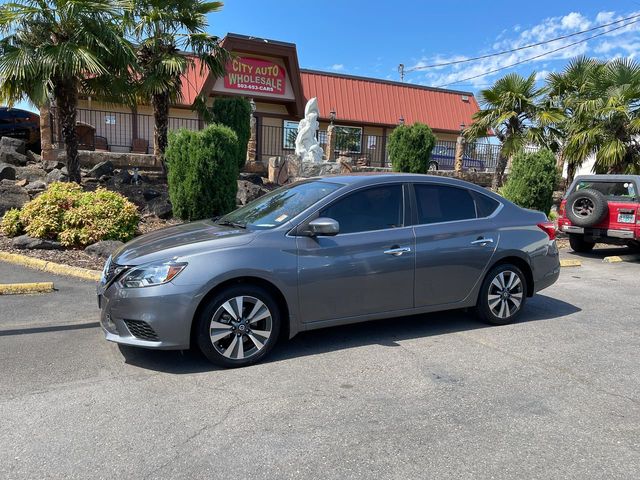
(21, 124)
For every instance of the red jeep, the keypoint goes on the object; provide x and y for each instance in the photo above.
(602, 209)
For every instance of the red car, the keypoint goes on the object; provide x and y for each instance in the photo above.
(601, 209)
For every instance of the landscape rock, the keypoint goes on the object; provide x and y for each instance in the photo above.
(255, 178)
(56, 176)
(35, 187)
(101, 169)
(104, 178)
(123, 177)
(160, 207)
(150, 194)
(103, 248)
(11, 196)
(22, 183)
(15, 144)
(248, 192)
(30, 173)
(7, 172)
(277, 171)
(12, 156)
(30, 243)
(33, 157)
(52, 165)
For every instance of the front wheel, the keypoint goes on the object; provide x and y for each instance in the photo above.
(433, 166)
(502, 295)
(579, 244)
(239, 326)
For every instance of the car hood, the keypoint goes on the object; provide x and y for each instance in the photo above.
(181, 240)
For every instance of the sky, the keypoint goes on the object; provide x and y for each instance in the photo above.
(371, 38)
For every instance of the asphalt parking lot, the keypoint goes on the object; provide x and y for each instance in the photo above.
(556, 395)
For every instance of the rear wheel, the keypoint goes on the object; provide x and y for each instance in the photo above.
(502, 295)
(239, 326)
(579, 244)
(433, 166)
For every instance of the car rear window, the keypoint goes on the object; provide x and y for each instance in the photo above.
(485, 205)
(625, 189)
(441, 203)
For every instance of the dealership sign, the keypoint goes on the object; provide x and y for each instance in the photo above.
(255, 75)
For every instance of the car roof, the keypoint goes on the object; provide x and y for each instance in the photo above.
(609, 178)
(371, 178)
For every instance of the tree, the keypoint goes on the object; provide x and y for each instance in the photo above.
(161, 29)
(235, 113)
(410, 148)
(57, 49)
(606, 118)
(513, 111)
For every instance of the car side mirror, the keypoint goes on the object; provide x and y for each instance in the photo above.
(323, 227)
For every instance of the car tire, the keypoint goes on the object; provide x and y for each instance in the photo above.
(586, 208)
(503, 295)
(226, 333)
(433, 166)
(580, 245)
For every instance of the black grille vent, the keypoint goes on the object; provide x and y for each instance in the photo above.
(141, 330)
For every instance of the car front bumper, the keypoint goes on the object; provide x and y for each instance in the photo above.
(157, 317)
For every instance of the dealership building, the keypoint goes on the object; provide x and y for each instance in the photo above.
(363, 110)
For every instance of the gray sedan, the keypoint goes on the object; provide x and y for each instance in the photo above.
(323, 252)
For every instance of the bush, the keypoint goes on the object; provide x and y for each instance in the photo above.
(11, 225)
(235, 113)
(203, 172)
(531, 181)
(73, 217)
(410, 148)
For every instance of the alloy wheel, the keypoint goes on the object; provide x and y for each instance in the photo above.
(505, 294)
(241, 327)
(583, 207)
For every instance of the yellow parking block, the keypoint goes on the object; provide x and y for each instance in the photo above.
(570, 263)
(622, 258)
(51, 267)
(20, 288)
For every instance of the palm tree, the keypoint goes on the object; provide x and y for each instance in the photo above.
(512, 110)
(564, 90)
(58, 49)
(161, 29)
(606, 119)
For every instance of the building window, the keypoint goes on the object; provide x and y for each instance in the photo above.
(371, 142)
(348, 139)
(289, 134)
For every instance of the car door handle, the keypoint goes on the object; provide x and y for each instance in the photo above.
(482, 241)
(397, 251)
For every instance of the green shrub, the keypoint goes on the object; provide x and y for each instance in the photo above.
(410, 148)
(11, 225)
(531, 181)
(235, 113)
(64, 212)
(203, 172)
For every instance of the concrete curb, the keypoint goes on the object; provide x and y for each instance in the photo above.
(570, 263)
(621, 258)
(51, 267)
(21, 288)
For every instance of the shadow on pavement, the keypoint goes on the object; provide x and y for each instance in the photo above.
(381, 332)
(52, 328)
(599, 253)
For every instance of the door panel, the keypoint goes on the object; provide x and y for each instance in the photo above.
(350, 275)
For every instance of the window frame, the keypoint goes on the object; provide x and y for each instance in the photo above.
(406, 210)
(360, 129)
(285, 130)
(472, 192)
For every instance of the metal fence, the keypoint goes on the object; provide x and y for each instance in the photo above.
(117, 131)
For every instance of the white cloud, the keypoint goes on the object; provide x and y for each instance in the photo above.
(551, 55)
(337, 67)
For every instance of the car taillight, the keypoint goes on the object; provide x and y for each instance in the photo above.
(561, 208)
(549, 228)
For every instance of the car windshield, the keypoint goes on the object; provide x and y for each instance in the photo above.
(610, 189)
(279, 206)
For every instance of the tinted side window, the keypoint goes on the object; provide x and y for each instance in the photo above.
(374, 208)
(440, 203)
(485, 205)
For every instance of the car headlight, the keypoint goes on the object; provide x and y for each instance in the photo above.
(151, 274)
(105, 271)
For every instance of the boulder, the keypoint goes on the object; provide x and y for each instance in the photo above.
(56, 176)
(248, 192)
(36, 187)
(251, 177)
(50, 165)
(15, 144)
(22, 183)
(104, 248)
(101, 169)
(7, 172)
(104, 178)
(30, 243)
(123, 177)
(11, 196)
(30, 173)
(278, 171)
(160, 207)
(33, 157)
(11, 156)
(150, 194)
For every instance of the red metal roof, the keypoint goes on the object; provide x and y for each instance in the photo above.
(192, 81)
(368, 100)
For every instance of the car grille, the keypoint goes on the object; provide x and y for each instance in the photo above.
(141, 330)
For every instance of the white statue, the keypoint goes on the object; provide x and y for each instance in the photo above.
(307, 147)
